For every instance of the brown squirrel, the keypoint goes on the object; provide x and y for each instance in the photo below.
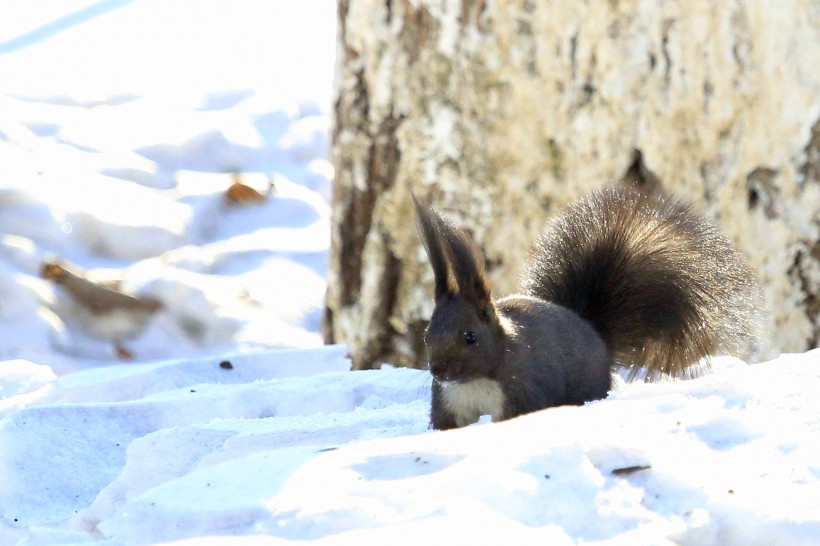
(619, 279)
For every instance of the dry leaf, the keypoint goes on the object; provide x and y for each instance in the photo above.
(102, 311)
(240, 193)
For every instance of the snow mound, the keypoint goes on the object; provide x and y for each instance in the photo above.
(290, 445)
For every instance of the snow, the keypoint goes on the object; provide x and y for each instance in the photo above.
(290, 445)
(121, 123)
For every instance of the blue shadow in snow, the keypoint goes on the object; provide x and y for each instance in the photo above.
(43, 32)
(245, 261)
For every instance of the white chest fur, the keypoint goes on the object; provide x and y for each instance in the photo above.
(469, 401)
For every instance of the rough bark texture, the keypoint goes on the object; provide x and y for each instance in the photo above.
(501, 111)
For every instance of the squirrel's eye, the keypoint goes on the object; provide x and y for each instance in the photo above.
(469, 338)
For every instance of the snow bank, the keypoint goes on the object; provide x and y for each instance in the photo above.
(122, 124)
(292, 446)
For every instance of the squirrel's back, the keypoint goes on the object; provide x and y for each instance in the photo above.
(660, 284)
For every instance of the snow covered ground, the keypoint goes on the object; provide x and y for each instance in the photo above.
(121, 123)
(225, 421)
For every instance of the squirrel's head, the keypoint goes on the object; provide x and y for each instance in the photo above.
(464, 340)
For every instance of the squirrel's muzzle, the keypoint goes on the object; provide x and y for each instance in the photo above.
(442, 370)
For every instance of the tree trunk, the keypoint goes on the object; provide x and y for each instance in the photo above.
(500, 112)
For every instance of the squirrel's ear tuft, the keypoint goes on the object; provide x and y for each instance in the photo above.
(458, 264)
(468, 268)
(429, 225)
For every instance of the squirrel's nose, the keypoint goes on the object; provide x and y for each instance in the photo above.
(440, 370)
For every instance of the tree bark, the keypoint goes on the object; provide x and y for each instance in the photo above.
(500, 112)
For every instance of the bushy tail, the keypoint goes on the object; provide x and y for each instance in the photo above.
(661, 285)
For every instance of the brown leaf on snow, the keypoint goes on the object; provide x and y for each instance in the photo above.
(240, 193)
(103, 311)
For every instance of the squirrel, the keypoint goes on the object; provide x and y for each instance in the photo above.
(619, 279)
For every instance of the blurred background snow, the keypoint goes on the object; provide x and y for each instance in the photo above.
(123, 123)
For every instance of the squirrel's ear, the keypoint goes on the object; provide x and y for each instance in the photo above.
(430, 227)
(468, 268)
